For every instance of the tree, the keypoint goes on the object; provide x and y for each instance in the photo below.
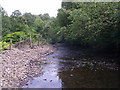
(29, 18)
(3, 11)
(93, 24)
(16, 13)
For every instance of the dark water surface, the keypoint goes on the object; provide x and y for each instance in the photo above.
(67, 68)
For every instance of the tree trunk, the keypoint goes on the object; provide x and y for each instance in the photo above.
(10, 44)
(30, 41)
(38, 40)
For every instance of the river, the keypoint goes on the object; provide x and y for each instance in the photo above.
(67, 68)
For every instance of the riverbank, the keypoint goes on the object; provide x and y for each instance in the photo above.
(76, 66)
(16, 67)
(22, 65)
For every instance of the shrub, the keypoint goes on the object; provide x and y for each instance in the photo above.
(4, 45)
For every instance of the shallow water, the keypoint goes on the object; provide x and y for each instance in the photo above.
(63, 70)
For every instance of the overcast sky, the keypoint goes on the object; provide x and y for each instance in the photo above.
(32, 6)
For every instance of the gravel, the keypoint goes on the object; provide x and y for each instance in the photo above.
(17, 67)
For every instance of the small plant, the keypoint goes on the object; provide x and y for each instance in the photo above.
(4, 45)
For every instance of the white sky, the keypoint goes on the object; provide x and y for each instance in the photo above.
(32, 6)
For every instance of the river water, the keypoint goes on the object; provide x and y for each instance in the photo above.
(63, 69)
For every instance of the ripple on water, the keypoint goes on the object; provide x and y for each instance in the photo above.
(59, 71)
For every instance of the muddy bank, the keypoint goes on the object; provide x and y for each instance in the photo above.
(17, 66)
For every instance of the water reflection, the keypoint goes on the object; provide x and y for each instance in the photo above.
(86, 78)
(49, 78)
(59, 72)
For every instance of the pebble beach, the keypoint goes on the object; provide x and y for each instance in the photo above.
(16, 67)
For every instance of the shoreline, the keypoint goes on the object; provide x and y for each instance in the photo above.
(16, 67)
(19, 65)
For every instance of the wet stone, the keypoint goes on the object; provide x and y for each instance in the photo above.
(17, 64)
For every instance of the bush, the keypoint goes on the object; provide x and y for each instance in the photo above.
(4, 45)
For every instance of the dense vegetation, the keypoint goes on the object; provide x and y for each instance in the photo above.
(94, 25)
(91, 24)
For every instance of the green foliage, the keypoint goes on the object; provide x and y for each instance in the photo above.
(63, 17)
(78, 23)
(4, 45)
(14, 36)
(0, 26)
(93, 24)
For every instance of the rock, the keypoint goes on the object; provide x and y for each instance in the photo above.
(26, 84)
(45, 79)
(71, 75)
(17, 65)
(50, 80)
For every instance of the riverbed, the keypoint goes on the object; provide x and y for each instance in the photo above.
(67, 68)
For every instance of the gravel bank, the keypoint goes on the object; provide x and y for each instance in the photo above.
(17, 67)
